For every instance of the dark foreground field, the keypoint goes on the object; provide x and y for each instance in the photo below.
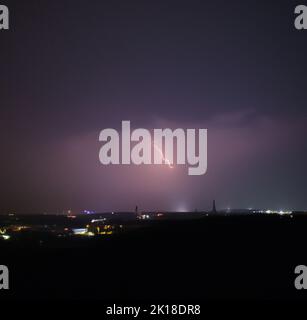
(241, 257)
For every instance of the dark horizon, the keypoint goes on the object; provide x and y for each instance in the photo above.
(234, 210)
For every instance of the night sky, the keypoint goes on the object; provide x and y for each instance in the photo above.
(71, 68)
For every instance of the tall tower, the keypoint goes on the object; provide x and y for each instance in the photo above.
(214, 207)
(137, 213)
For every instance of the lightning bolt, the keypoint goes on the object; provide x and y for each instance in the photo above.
(162, 155)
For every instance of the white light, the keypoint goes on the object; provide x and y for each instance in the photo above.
(181, 208)
(98, 220)
(79, 231)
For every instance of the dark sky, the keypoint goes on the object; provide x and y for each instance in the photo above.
(71, 68)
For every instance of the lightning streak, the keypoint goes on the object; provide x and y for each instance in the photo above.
(162, 155)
